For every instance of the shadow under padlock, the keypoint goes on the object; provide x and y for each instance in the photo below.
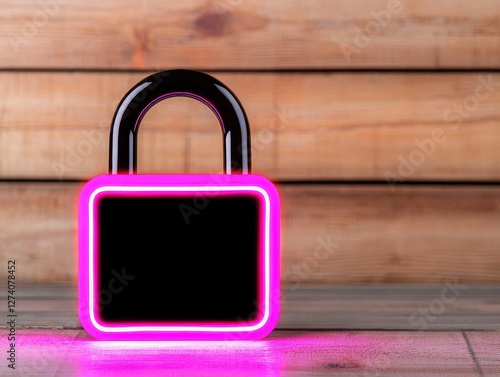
(179, 257)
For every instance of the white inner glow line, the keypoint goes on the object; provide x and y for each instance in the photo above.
(267, 278)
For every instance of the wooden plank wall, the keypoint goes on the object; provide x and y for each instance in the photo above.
(379, 121)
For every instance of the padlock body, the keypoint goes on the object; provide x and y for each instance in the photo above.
(178, 257)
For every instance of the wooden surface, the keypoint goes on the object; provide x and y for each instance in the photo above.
(51, 342)
(392, 92)
(450, 306)
(284, 353)
(309, 126)
(257, 34)
(342, 234)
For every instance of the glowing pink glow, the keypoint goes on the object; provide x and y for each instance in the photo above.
(171, 185)
(73, 353)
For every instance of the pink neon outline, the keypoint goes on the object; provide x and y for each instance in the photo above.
(180, 184)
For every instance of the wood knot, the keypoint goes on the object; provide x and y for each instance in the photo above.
(143, 44)
(233, 20)
(212, 23)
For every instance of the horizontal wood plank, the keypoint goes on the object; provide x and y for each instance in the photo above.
(338, 234)
(310, 126)
(345, 234)
(250, 34)
(50, 340)
(283, 353)
(332, 307)
(391, 307)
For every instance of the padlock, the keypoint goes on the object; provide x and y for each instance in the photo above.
(179, 257)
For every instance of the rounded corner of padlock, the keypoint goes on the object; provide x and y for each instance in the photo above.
(269, 186)
(87, 325)
(88, 187)
(88, 314)
(269, 326)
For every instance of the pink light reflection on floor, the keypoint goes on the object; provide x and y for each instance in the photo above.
(77, 354)
(187, 358)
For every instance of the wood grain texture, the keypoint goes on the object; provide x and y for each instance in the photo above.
(305, 126)
(486, 348)
(309, 307)
(391, 307)
(50, 340)
(339, 234)
(250, 34)
(283, 353)
(38, 230)
(343, 233)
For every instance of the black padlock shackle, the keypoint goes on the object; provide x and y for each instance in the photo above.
(179, 83)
